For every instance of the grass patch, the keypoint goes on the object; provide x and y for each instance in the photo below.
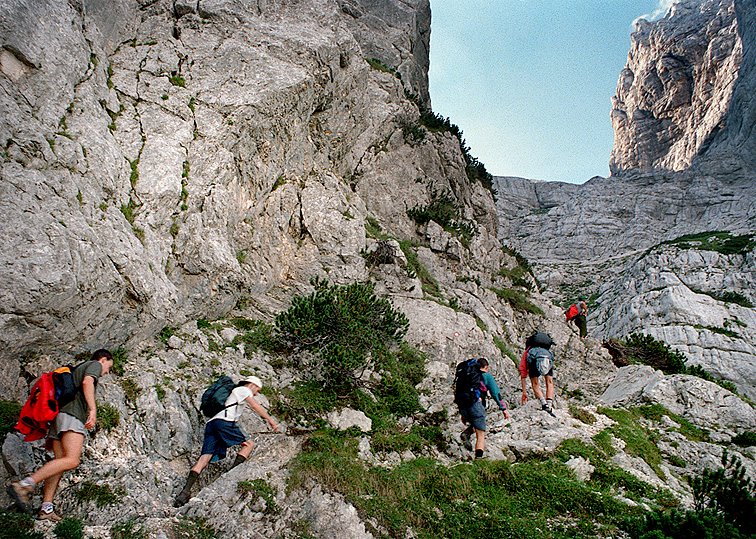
(744, 439)
(718, 241)
(639, 441)
(193, 528)
(101, 495)
(131, 390)
(506, 351)
(727, 296)
(69, 528)
(108, 416)
(481, 499)
(518, 300)
(654, 412)
(582, 415)
(261, 488)
(128, 530)
(416, 269)
(120, 358)
(18, 526)
(177, 80)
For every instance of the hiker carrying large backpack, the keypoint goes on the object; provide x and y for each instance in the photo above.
(67, 427)
(222, 404)
(537, 360)
(577, 313)
(472, 382)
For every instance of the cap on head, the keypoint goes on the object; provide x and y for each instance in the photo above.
(252, 380)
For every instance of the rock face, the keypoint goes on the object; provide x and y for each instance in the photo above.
(167, 161)
(675, 94)
(683, 163)
(161, 158)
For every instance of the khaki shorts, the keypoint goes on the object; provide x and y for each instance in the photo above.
(64, 422)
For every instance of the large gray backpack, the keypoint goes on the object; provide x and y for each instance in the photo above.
(542, 359)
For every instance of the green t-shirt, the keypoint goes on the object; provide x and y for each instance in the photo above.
(78, 406)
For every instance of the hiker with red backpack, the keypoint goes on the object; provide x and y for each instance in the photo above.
(577, 313)
(222, 402)
(65, 437)
(472, 382)
(537, 361)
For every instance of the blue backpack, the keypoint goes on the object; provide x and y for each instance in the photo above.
(214, 397)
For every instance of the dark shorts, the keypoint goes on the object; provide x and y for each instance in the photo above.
(475, 415)
(533, 371)
(220, 435)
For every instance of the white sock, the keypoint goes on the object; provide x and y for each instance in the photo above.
(47, 507)
(27, 482)
(543, 401)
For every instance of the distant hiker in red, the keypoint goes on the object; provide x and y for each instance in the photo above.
(578, 313)
(65, 437)
(536, 361)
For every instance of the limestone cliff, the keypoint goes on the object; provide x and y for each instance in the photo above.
(683, 89)
(168, 165)
(683, 163)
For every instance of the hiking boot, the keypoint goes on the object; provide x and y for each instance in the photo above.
(546, 408)
(52, 516)
(465, 437)
(182, 498)
(20, 495)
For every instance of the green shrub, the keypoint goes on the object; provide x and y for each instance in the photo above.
(69, 528)
(724, 508)
(659, 355)
(128, 530)
(9, 412)
(166, 333)
(108, 416)
(444, 210)
(258, 335)
(728, 491)
(131, 390)
(744, 439)
(193, 528)
(342, 324)
(177, 80)
(102, 495)
(18, 526)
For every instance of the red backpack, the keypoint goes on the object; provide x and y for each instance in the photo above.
(51, 391)
(572, 312)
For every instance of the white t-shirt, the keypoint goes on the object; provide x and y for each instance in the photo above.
(235, 403)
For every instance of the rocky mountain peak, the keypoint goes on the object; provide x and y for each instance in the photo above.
(682, 90)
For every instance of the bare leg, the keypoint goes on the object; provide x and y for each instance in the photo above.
(201, 463)
(67, 453)
(536, 388)
(549, 387)
(480, 440)
(246, 449)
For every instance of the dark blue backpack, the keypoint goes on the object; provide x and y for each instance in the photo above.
(467, 382)
(214, 397)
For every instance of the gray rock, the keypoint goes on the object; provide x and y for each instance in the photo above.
(347, 418)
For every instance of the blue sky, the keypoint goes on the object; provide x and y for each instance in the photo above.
(530, 82)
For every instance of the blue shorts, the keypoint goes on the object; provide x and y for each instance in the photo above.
(475, 415)
(220, 435)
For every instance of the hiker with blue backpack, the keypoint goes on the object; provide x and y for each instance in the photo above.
(537, 361)
(222, 403)
(472, 383)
